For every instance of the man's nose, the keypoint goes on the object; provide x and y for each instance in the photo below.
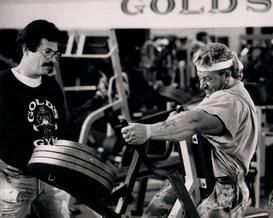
(203, 85)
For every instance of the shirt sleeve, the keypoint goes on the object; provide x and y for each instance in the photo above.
(227, 107)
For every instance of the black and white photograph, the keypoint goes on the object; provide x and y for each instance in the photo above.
(136, 108)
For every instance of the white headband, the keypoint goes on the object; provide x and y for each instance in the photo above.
(214, 67)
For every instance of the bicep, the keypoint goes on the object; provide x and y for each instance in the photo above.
(209, 124)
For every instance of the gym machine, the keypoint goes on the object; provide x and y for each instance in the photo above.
(76, 47)
(80, 171)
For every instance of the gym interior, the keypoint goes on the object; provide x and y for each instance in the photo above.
(144, 73)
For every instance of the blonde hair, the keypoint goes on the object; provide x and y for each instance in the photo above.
(213, 53)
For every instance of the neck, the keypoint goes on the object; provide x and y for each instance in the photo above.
(230, 83)
(25, 71)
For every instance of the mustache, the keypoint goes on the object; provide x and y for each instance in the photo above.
(48, 64)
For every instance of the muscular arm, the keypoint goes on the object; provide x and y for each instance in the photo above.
(185, 124)
(176, 128)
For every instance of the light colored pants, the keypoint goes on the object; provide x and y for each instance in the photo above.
(221, 203)
(18, 194)
(162, 203)
(226, 200)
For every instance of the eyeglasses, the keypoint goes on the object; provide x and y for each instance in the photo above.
(49, 54)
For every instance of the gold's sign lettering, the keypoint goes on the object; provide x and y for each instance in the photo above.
(140, 7)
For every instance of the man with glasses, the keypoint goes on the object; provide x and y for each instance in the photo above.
(32, 113)
(226, 118)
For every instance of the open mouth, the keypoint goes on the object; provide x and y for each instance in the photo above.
(47, 67)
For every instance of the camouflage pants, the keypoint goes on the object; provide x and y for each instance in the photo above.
(226, 200)
(162, 202)
(223, 202)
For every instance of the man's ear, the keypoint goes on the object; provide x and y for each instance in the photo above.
(24, 49)
(228, 73)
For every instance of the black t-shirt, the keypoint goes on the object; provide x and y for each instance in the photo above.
(28, 117)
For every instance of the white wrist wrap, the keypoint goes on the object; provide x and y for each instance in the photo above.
(149, 131)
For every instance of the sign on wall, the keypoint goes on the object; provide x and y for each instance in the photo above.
(138, 13)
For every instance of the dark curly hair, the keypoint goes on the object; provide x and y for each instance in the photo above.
(32, 34)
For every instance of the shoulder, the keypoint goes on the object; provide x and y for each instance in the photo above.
(220, 98)
(5, 76)
(51, 82)
(223, 104)
(5, 73)
(239, 96)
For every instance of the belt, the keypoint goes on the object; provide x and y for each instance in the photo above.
(230, 179)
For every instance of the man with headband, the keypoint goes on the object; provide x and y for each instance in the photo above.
(226, 118)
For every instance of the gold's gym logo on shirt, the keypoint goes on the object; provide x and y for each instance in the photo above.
(42, 114)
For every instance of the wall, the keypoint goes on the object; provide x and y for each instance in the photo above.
(232, 33)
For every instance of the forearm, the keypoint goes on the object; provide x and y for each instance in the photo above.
(176, 128)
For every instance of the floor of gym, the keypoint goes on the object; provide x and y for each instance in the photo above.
(153, 187)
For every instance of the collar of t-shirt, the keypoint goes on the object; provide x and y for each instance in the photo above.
(31, 82)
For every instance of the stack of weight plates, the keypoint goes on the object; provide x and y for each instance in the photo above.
(75, 168)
